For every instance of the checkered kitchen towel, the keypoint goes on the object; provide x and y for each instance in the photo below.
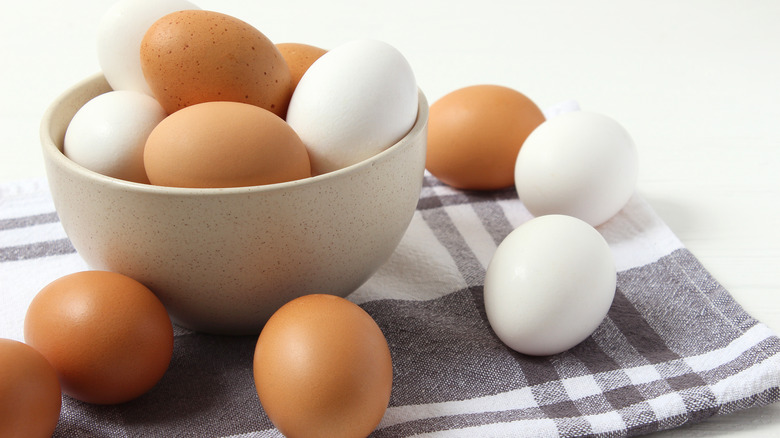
(674, 349)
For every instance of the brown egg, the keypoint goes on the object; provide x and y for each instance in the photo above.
(108, 337)
(299, 58)
(224, 144)
(322, 368)
(195, 56)
(475, 134)
(30, 397)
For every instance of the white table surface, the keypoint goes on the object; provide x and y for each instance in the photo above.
(696, 83)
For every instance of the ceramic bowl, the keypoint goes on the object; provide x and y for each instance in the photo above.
(223, 260)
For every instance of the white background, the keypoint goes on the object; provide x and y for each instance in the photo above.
(696, 83)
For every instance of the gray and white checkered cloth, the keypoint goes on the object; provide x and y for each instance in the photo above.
(674, 349)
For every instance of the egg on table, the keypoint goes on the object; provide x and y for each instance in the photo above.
(474, 134)
(30, 394)
(108, 337)
(549, 285)
(581, 164)
(322, 368)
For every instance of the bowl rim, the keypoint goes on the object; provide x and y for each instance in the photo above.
(55, 154)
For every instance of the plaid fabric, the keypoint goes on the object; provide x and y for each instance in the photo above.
(674, 349)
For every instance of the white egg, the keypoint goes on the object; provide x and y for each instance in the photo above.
(356, 100)
(581, 164)
(549, 285)
(119, 36)
(107, 135)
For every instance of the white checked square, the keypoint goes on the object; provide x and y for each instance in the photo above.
(606, 422)
(643, 374)
(667, 405)
(581, 387)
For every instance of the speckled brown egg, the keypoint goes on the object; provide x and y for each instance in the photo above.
(322, 368)
(299, 58)
(195, 56)
(475, 134)
(108, 337)
(224, 144)
(30, 397)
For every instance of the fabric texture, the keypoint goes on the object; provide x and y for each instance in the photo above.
(674, 349)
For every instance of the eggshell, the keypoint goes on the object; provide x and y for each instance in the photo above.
(581, 164)
(549, 285)
(108, 337)
(475, 133)
(299, 58)
(353, 102)
(119, 36)
(107, 135)
(322, 368)
(30, 397)
(195, 56)
(224, 144)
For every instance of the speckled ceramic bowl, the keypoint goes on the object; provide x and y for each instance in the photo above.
(223, 260)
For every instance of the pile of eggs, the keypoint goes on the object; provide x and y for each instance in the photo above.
(202, 99)
(552, 280)
(487, 137)
(321, 362)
